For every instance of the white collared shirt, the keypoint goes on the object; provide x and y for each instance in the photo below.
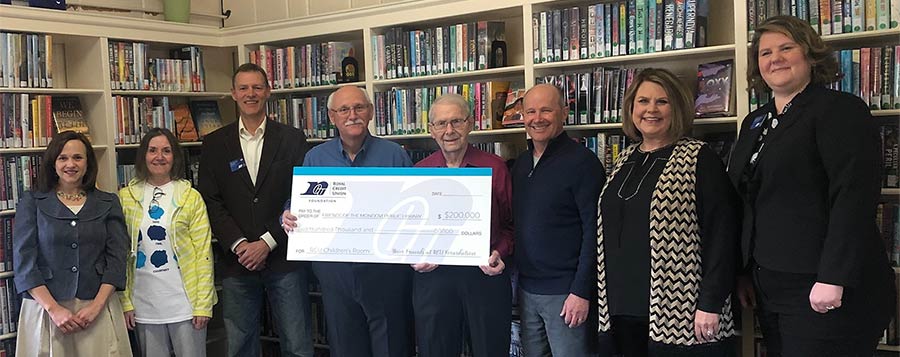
(251, 147)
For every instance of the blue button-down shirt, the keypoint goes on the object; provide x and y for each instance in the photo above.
(375, 152)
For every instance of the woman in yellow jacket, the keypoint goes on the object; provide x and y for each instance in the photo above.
(169, 292)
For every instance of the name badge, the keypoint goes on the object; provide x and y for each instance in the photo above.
(237, 164)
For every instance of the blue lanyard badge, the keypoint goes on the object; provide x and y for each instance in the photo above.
(236, 164)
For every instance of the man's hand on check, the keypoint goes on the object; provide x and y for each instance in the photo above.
(424, 267)
(288, 221)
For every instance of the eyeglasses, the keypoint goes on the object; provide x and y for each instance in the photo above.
(441, 125)
(345, 111)
(154, 201)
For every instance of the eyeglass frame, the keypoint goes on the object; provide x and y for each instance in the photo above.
(356, 109)
(435, 127)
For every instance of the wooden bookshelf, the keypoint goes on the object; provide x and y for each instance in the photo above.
(81, 62)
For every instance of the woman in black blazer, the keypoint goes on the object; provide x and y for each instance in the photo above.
(69, 249)
(807, 166)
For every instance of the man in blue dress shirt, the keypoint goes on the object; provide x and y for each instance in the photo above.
(367, 306)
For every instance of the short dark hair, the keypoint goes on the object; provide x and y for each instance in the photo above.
(250, 67)
(140, 160)
(825, 67)
(47, 177)
(679, 98)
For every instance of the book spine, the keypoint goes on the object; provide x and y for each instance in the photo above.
(690, 24)
(583, 37)
(632, 26)
(875, 98)
(854, 71)
(592, 30)
(887, 55)
(623, 28)
(614, 28)
(847, 18)
(825, 16)
(536, 36)
(558, 30)
(564, 34)
(574, 34)
(544, 55)
(895, 14)
(837, 22)
(679, 23)
(883, 14)
(651, 26)
(871, 15)
(858, 16)
(896, 78)
(641, 30)
(669, 34)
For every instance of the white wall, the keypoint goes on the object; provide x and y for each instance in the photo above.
(246, 12)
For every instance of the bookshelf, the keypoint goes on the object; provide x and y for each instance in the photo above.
(81, 63)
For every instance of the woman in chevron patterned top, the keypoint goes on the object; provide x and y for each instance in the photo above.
(169, 293)
(666, 233)
(807, 167)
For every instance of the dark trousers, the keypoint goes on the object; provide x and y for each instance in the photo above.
(367, 308)
(790, 326)
(629, 337)
(453, 299)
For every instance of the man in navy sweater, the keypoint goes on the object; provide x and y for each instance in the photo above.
(556, 184)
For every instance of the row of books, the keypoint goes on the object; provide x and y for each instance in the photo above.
(606, 146)
(619, 28)
(401, 111)
(303, 66)
(6, 255)
(309, 113)
(28, 120)
(872, 73)
(595, 96)
(829, 16)
(8, 348)
(18, 173)
(132, 68)
(26, 60)
(10, 302)
(399, 53)
(134, 116)
(888, 220)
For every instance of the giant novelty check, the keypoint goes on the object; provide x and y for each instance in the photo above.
(391, 215)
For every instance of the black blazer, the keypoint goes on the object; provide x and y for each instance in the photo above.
(238, 208)
(816, 187)
(72, 254)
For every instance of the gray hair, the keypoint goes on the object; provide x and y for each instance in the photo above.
(363, 91)
(451, 99)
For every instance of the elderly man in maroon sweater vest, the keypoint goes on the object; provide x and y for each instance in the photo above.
(445, 298)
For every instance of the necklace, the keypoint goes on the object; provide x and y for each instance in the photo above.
(78, 196)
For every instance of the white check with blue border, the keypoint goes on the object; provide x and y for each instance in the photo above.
(391, 215)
